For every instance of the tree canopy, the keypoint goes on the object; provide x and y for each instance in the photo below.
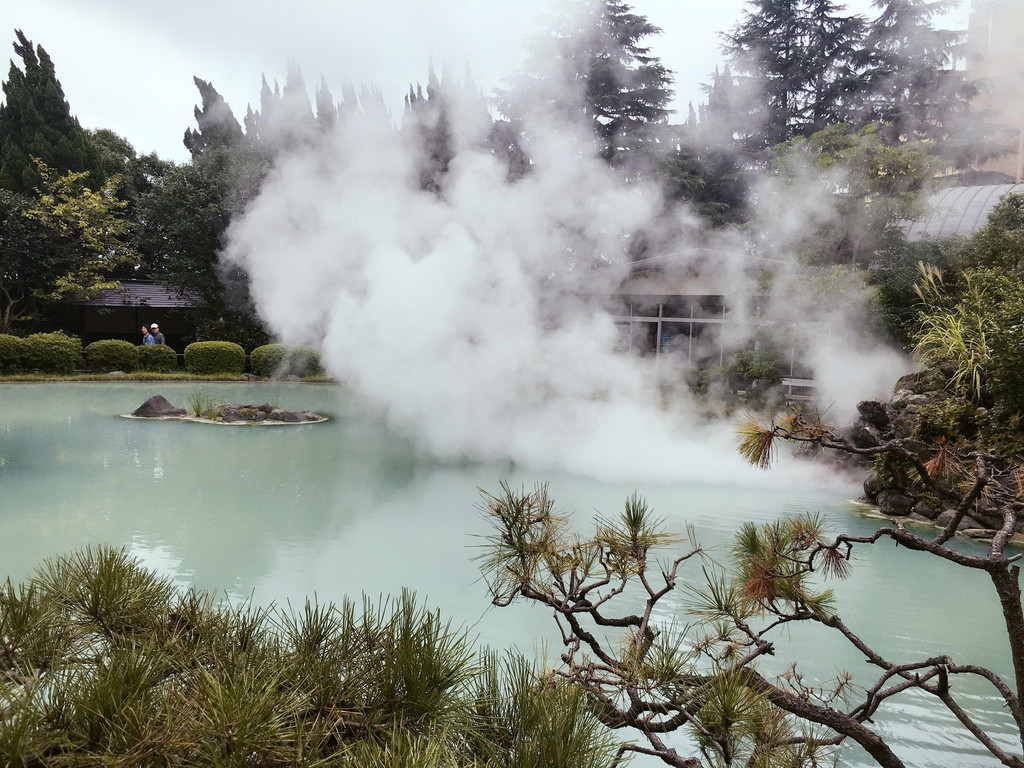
(36, 123)
(594, 70)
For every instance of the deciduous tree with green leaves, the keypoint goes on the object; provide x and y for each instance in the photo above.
(64, 245)
(874, 186)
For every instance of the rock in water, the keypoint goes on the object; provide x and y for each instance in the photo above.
(156, 407)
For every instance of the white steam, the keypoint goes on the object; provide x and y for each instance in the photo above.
(472, 319)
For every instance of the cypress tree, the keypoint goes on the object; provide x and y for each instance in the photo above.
(217, 126)
(36, 122)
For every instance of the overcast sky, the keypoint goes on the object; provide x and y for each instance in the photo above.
(127, 65)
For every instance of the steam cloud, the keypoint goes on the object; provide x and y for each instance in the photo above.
(468, 319)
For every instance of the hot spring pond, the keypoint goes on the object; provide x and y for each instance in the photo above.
(347, 507)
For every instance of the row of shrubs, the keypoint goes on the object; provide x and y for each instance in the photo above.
(58, 353)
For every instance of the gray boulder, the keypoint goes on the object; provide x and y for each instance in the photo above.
(292, 417)
(928, 380)
(895, 503)
(157, 406)
(872, 413)
(871, 486)
(232, 415)
(864, 435)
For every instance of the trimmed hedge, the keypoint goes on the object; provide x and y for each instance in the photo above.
(205, 358)
(53, 353)
(285, 360)
(12, 353)
(109, 355)
(158, 358)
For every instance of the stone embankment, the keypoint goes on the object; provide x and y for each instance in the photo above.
(893, 489)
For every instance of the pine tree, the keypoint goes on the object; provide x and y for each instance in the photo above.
(36, 122)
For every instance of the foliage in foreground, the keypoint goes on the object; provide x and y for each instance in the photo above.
(607, 591)
(103, 662)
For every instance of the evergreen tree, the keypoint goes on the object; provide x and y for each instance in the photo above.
(708, 178)
(448, 117)
(326, 109)
(36, 122)
(217, 126)
(428, 117)
(285, 119)
(798, 62)
(593, 69)
(908, 80)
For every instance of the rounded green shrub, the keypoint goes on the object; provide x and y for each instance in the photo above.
(205, 358)
(111, 355)
(285, 360)
(12, 353)
(53, 353)
(158, 358)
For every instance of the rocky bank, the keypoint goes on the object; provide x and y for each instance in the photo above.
(892, 489)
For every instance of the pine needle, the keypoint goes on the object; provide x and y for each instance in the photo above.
(756, 443)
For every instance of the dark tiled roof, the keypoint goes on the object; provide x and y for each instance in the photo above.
(958, 211)
(139, 293)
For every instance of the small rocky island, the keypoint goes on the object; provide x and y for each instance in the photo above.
(158, 407)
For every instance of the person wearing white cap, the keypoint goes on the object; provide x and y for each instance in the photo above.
(158, 338)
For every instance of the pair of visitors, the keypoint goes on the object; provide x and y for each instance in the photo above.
(152, 335)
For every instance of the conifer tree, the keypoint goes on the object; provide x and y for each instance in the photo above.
(595, 70)
(36, 122)
(217, 126)
(909, 81)
(798, 60)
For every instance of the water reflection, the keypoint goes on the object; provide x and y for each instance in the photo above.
(347, 507)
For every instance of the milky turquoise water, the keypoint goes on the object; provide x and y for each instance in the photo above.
(349, 508)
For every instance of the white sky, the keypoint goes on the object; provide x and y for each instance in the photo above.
(127, 65)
